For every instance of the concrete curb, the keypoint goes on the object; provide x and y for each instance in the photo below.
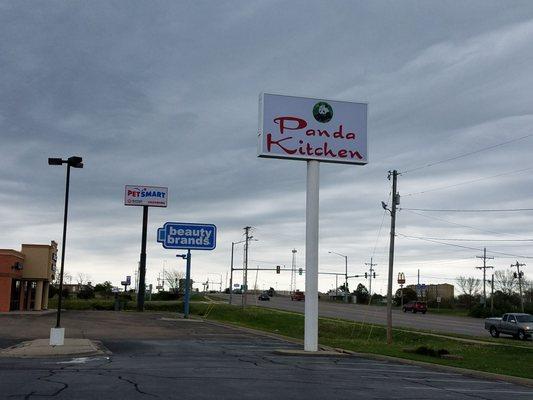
(438, 367)
(40, 348)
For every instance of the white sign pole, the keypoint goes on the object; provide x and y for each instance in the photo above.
(311, 257)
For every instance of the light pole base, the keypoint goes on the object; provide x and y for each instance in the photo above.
(57, 336)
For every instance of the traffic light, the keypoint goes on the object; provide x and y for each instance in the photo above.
(366, 275)
(300, 271)
(278, 269)
(374, 275)
(515, 275)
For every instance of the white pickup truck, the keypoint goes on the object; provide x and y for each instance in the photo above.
(518, 325)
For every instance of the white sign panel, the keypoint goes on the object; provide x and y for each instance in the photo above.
(312, 129)
(153, 196)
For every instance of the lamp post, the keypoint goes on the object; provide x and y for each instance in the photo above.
(346, 268)
(231, 271)
(57, 334)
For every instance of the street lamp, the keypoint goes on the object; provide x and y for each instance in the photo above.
(57, 334)
(346, 268)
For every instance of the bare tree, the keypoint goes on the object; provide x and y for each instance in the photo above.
(172, 278)
(505, 281)
(82, 278)
(469, 285)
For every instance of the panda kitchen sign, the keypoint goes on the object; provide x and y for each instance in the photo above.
(152, 196)
(312, 129)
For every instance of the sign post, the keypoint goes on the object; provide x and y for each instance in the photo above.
(314, 130)
(187, 236)
(145, 196)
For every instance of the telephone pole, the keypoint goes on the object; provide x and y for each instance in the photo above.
(395, 200)
(519, 274)
(484, 268)
(246, 243)
(371, 270)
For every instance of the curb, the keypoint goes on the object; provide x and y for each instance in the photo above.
(438, 367)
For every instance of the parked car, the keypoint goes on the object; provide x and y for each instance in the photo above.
(264, 297)
(516, 324)
(297, 295)
(415, 306)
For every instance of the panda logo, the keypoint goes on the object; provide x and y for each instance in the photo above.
(322, 112)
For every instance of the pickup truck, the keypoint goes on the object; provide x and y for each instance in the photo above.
(518, 325)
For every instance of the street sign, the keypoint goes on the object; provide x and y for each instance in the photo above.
(153, 196)
(438, 299)
(312, 129)
(187, 236)
(236, 285)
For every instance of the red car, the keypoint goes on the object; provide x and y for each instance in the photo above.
(415, 306)
(298, 296)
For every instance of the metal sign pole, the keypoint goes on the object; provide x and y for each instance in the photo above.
(142, 264)
(187, 286)
(311, 257)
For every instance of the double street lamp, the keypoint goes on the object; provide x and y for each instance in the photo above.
(57, 336)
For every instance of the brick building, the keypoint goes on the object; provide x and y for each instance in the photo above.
(25, 276)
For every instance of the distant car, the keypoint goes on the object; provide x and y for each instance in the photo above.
(415, 306)
(297, 295)
(264, 297)
(237, 291)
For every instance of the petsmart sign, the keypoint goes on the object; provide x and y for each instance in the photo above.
(178, 235)
(312, 129)
(153, 196)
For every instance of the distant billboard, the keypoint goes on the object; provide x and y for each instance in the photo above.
(188, 236)
(153, 196)
(312, 129)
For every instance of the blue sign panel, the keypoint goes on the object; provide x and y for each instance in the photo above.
(185, 236)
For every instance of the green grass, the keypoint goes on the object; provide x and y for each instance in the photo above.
(458, 312)
(365, 338)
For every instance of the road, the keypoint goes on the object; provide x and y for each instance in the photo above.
(153, 357)
(444, 324)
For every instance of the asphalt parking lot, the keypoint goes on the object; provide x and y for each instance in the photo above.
(154, 356)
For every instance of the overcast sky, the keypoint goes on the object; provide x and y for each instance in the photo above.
(166, 93)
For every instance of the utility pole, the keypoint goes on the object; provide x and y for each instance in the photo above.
(519, 275)
(246, 243)
(293, 271)
(371, 270)
(395, 199)
(484, 268)
(492, 295)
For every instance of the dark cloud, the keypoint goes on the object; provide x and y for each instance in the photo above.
(166, 94)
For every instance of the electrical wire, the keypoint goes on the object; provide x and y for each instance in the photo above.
(479, 240)
(463, 247)
(468, 182)
(461, 225)
(466, 154)
(468, 210)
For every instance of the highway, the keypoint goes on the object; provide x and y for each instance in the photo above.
(443, 324)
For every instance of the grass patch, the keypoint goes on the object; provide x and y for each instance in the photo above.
(365, 338)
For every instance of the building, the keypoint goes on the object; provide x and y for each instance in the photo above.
(25, 276)
(442, 290)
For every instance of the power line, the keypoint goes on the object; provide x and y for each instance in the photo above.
(466, 154)
(468, 182)
(479, 240)
(462, 225)
(468, 210)
(462, 247)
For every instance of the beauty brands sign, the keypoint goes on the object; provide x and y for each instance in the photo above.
(153, 196)
(312, 129)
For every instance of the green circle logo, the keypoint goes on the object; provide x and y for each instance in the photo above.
(322, 112)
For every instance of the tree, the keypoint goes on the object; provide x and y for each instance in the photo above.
(505, 282)
(469, 286)
(82, 278)
(408, 295)
(172, 279)
(104, 289)
(362, 294)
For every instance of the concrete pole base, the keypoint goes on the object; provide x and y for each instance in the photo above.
(57, 336)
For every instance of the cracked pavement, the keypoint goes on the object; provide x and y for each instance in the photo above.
(154, 358)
